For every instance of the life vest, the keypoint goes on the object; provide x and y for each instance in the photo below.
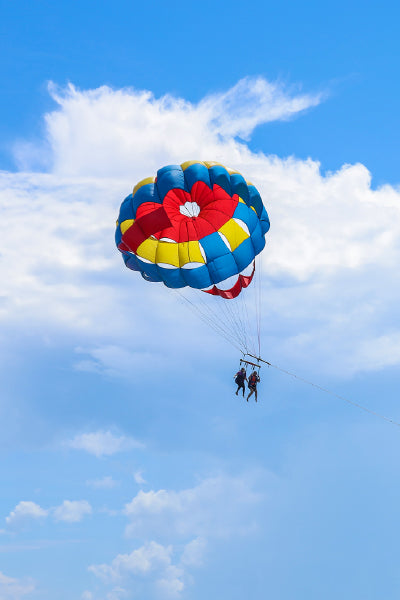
(253, 379)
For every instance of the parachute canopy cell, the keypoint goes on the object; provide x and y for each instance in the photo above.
(198, 224)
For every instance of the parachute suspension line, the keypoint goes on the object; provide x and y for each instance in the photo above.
(258, 286)
(252, 317)
(214, 324)
(237, 320)
(232, 310)
(206, 319)
(235, 324)
(230, 315)
(326, 391)
(249, 316)
(245, 298)
(228, 318)
(260, 289)
(239, 308)
(236, 311)
(211, 306)
(236, 307)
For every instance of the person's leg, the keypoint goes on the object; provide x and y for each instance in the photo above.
(250, 393)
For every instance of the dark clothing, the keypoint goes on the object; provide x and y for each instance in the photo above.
(239, 380)
(240, 377)
(253, 380)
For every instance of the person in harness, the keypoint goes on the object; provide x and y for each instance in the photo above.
(252, 384)
(240, 378)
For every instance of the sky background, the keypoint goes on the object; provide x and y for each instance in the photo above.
(128, 467)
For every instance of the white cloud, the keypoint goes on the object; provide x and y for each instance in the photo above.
(138, 477)
(117, 593)
(151, 564)
(139, 132)
(116, 361)
(378, 352)
(103, 443)
(65, 244)
(329, 224)
(106, 483)
(332, 250)
(252, 102)
(218, 506)
(14, 589)
(193, 553)
(171, 584)
(142, 561)
(72, 511)
(24, 511)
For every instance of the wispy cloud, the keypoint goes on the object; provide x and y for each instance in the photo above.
(106, 483)
(138, 477)
(15, 589)
(251, 102)
(103, 443)
(116, 361)
(72, 511)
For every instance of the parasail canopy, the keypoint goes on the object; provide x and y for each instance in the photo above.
(198, 224)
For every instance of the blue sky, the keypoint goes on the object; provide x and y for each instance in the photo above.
(129, 469)
(348, 50)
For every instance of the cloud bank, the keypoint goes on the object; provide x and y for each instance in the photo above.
(214, 507)
(330, 279)
(218, 507)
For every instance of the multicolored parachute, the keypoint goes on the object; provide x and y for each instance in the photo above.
(198, 224)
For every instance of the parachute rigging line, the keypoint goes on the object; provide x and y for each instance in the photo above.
(258, 299)
(326, 391)
(214, 324)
